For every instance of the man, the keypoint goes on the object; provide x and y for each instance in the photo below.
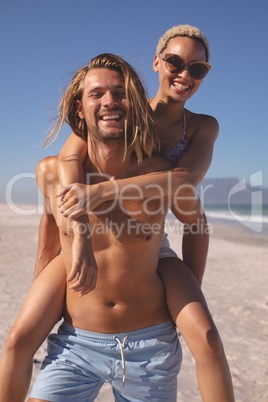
(121, 332)
(129, 296)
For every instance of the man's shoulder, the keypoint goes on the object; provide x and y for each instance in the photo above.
(46, 172)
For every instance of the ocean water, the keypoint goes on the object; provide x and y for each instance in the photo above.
(254, 219)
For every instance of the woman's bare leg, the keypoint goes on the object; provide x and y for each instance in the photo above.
(189, 311)
(42, 309)
(37, 400)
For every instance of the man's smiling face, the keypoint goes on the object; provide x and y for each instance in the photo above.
(103, 104)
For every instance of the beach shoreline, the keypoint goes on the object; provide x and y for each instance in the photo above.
(235, 287)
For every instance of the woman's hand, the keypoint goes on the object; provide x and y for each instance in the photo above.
(84, 267)
(79, 199)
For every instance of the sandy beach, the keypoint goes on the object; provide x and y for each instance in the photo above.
(235, 286)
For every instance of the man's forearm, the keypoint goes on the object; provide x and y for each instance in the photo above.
(48, 243)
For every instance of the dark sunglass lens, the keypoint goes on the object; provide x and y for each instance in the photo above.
(198, 70)
(176, 62)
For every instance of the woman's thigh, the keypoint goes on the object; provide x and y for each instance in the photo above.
(185, 299)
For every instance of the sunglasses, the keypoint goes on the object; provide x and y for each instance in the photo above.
(175, 64)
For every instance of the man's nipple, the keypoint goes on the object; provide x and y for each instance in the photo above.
(110, 304)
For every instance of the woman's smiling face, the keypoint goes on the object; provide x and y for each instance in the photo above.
(179, 86)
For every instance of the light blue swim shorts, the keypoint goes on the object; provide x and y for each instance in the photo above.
(79, 362)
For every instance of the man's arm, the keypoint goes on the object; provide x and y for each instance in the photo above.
(48, 242)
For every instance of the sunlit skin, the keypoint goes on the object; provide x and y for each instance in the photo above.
(127, 281)
(178, 87)
(169, 107)
(104, 103)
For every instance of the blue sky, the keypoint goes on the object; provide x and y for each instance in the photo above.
(43, 42)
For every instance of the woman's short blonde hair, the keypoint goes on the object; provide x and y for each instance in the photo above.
(183, 30)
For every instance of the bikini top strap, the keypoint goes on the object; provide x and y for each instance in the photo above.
(184, 125)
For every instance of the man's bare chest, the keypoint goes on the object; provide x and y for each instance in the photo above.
(124, 221)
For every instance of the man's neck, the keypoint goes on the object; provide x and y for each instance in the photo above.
(109, 158)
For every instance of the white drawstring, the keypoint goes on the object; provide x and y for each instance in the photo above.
(122, 355)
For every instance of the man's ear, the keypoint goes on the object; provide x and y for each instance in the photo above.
(156, 63)
(79, 109)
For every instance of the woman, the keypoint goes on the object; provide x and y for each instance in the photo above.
(186, 138)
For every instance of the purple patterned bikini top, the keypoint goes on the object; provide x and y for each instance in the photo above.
(179, 150)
